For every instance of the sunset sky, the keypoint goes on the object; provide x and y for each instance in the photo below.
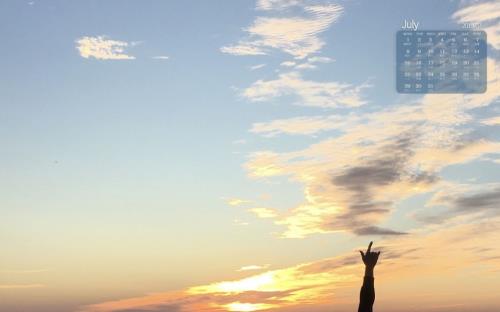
(216, 156)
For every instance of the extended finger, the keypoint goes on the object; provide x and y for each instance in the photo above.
(369, 247)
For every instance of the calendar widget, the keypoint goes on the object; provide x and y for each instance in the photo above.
(441, 61)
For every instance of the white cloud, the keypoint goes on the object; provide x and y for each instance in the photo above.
(258, 66)
(310, 93)
(301, 125)
(243, 48)
(353, 181)
(253, 267)
(288, 64)
(494, 121)
(102, 48)
(236, 201)
(487, 14)
(295, 35)
(277, 4)
(161, 57)
(264, 213)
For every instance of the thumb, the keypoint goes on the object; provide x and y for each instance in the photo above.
(362, 254)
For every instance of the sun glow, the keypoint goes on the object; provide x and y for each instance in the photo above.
(260, 282)
(247, 307)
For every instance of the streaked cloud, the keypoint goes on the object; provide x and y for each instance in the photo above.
(459, 200)
(432, 251)
(493, 121)
(253, 267)
(288, 63)
(308, 92)
(21, 286)
(353, 180)
(302, 125)
(243, 48)
(487, 15)
(24, 271)
(258, 66)
(161, 57)
(236, 201)
(239, 222)
(277, 4)
(102, 48)
(296, 35)
(264, 213)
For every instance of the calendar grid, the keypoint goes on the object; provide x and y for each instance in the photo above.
(437, 61)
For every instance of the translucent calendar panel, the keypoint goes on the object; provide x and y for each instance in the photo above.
(441, 61)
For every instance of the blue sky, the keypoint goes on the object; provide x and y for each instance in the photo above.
(151, 146)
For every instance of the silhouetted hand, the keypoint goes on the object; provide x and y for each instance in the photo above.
(370, 259)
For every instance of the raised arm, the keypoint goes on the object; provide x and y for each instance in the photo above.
(367, 293)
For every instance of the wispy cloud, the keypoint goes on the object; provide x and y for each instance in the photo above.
(493, 121)
(277, 4)
(353, 180)
(308, 92)
(258, 66)
(302, 125)
(458, 200)
(296, 35)
(161, 57)
(264, 213)
(236, 201)
(487, 15)
(102, 48)
(24, 271)
(432, 251)
(21, 286)
(253, 267)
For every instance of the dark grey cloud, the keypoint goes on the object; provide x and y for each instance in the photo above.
(480, 201)
(375, 230)
(361, 182)
(487, 202)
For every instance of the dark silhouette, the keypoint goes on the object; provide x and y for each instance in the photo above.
(367, 293)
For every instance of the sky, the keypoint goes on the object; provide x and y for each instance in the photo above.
(187, 156)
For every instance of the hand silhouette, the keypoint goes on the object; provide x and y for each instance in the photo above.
(367, 293)
(369, 258)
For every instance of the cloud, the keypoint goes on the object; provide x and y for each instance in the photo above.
(375, 230)
(264, 213)
(493, 121)
(311, 62)
(161, 57)
(236, 201)
(277, 4)
(354, 179)
(243, 48)
(239, 222)
(442, 252)
(21, 286)
(309, 93)
(478, 201)
(258, 66)
(461, 200)
(288, 64)
(301, 125)
(102, 48)
(296, 35)
(487, 14)
(253, 267)
(24, 271)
